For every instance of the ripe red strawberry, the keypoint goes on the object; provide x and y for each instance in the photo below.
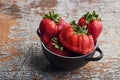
(50, 26)
(82, 21)
(57, 48)
(93, 22)
(95, 27)
(77, 39)
(48, 29)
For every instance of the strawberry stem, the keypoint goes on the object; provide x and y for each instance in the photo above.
(78, 29)
(91, 16)
(53, 16)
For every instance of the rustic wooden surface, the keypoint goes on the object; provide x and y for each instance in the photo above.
(21, 57)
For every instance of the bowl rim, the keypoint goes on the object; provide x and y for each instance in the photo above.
(67, 56)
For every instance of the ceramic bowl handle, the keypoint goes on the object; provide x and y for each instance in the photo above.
(38, 32)
(96, 58)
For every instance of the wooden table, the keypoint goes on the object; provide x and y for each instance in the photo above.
(21, 56)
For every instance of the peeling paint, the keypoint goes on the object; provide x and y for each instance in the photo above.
(92, 1)
(1, 5)
(44, 4)
(47, 4)
(7, 58)
(13, 10)
(36, 38)
(5, 23)
(15, 52)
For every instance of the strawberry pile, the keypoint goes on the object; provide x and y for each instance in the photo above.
(70, 39)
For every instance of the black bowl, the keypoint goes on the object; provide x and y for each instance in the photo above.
(70, 63)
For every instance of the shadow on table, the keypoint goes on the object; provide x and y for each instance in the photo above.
(39, 62)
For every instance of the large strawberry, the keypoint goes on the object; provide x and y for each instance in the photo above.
(55, 46)
(93, 22)
(50, 26)
(77, 39)
(48, 29)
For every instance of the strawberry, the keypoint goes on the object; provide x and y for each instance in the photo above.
(95, 28)
(50, 26)
(77, 39)
(48, 29)
(93, 22)
(55, 46)
(82, 21)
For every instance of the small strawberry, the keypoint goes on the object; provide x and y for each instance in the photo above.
(82, 21)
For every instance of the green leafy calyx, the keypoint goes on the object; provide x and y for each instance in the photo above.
(78, 29)
(53, 16)
(91, 16)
